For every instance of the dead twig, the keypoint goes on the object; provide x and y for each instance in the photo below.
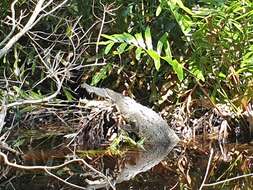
(227, 180)
(47, 168)
(2, 115)
(207, 168)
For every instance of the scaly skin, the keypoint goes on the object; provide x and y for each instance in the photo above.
(145, 122)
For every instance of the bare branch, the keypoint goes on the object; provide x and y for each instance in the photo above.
(13, 23)
(34, 19)
(37, 101)
(27, 27)
(207, 168)
(2, 115)
(46, 168)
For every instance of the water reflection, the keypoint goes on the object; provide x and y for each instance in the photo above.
(142, 161)
(186, 169)
(117, 168)
(133, 163)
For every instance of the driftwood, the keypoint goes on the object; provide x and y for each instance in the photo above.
(144, 121)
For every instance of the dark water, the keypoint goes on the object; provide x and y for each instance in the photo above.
(181, 166)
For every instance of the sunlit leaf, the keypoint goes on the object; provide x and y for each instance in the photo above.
(69, 31)
(112, 38)
(140, 40)
(238, 26)
(195, 70)
(246, 64)
(101, 74)
(35, 95)
(105, 42)
(108, 48)
(148, 38)
(184, 21)
(176, 66)
(167, 48)
(156, 58)
(121, 37)
(160, 43)
(158, 10)
(138, 53)
(181, 5)
(121, 48)
(164, 43)
(130, 39)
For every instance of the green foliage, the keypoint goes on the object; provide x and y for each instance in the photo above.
(158, 45)
(124, 138)
(22, 73)
(175, 6)
(222, 46)
(4, 7)
(213, 44)
(246, 64)
(68, 94)
(101, 74)
(144, 47)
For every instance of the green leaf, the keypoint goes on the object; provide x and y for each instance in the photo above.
(199, 75)
(238, 26)
(35, 95)
(130, 39)
(105, 42)
(181, 5)
(148, 38)
(246, 64)
(20, 92)
(156, 57)
(222, 75)
(184, 21)
(138, 53)
(121, 48)
(176, 66)
(101, 74)
(116, 37)
(163, 43)
(196, 71)
(68, 94)
(112, 38)
(120, 37)
(167, 49)
(158, 10)
(140, 40)
(33, 67)
(159, 46)
(108, 48)
(18, 142)
(69, 31)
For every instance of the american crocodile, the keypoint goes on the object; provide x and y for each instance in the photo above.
(145, 122)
